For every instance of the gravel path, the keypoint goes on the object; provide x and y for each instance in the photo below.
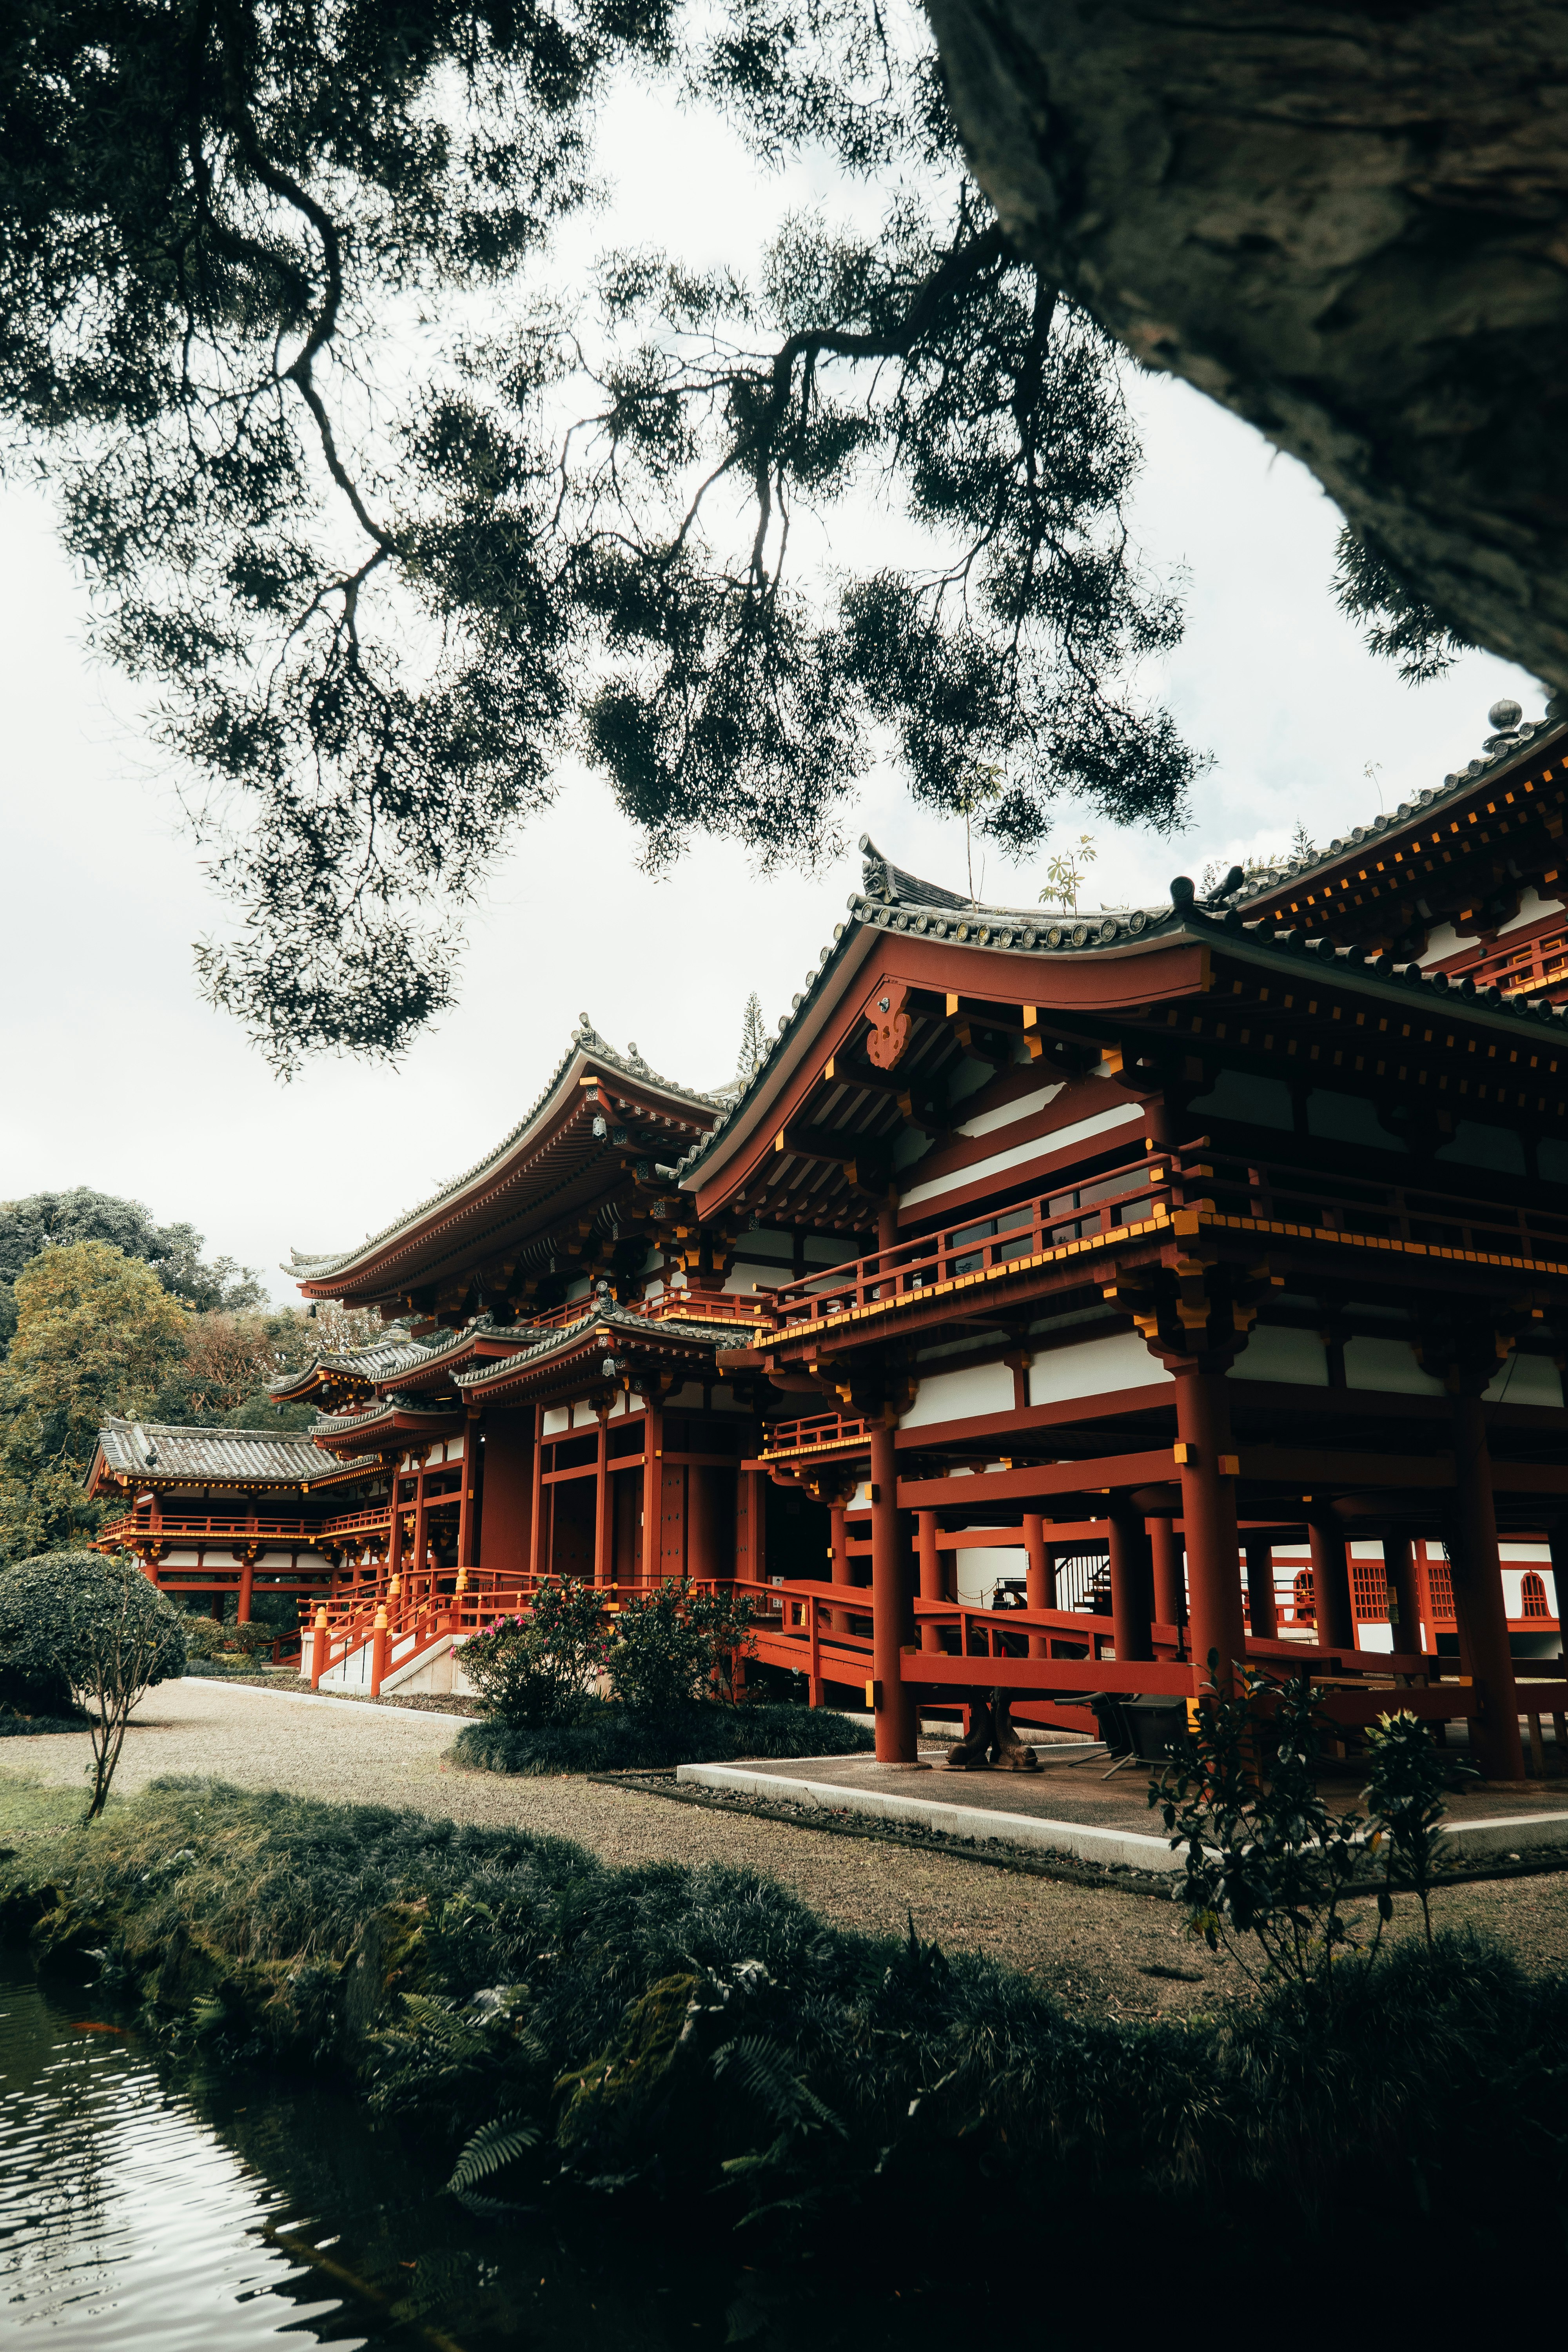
(1091, 1946)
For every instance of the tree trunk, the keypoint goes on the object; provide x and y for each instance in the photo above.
(1351, 226)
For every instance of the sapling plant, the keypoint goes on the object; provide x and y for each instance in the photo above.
(1406, 1781)
(1268, 1857)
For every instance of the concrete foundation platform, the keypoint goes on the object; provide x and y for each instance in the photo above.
(1067, 1808)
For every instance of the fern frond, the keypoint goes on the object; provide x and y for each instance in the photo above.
(498, 2142)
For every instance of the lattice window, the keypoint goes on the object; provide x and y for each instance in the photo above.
(1441, 1584)
(1302, 1598)
(1532, 1594)
(1368, 1591)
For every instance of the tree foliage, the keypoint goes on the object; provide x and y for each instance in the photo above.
(540, 1668)
(96, 1333)
(101, 1625)
(1369, 588)
(47, 1219)
(679, 1643)
(387, 522)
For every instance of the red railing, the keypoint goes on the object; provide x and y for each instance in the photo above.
(1129, 1195)
(1154, 1187)
(697, 1305)
(232, 1530)
(814, 1433)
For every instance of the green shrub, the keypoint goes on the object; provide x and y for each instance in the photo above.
(674, 1644)
(607, 1737)
(537, 1669)
(703, 2034)
(104, 1627)
(205, 1637)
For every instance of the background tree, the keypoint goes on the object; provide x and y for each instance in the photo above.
(375, 606)
(753, 1040)
(96, 1333)
(104, 1627)
(45, 1220)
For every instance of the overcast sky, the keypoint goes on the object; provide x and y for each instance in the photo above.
(119, 1077)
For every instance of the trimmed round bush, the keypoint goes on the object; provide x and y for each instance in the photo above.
(611, 1739)
(101, 1627)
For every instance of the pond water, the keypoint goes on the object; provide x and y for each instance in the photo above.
(148, 2202)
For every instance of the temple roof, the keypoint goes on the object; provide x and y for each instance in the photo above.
(382, 1259)
(894, 901)
(380, 1360)
(139, 1449)
(607, 1315)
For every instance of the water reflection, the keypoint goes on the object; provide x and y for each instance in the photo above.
(147, 2202)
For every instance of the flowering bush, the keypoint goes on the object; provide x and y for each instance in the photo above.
(539, 1668)
(677, 1645)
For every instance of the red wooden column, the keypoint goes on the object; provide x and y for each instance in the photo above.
(1260, 1587)
(1130, 1587)
(1399, 1566)
(246, 1572)
(1476, 1570)
(838, 1528)
(886, 1239)
(394, 1563)
(702, 1551)
(652, 1493)
(1170, 1576)
(537, 1562)
(421, 1539)
(1039, 1576)
(891, 1619)
(1208, 1510)
(1335, 1626)
(603, 1533)
(757, 1483)
(931, 1573)
(472, 1455)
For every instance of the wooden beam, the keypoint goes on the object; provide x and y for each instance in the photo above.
(1113, 1470)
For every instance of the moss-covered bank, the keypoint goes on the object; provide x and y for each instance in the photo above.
(702, 2031)
(611, 1739)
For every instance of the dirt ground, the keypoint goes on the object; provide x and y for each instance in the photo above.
(1103, 1947)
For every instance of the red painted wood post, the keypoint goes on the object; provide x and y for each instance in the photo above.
(891, 1619)
(246, 1573)
(536, 1562)
(701, 1553)
(319, 1647)
(378, 1647)
(466, 1507)
(1170, 1575)
(1335, 1625)
(838, 1526)
(1264, 1624)
(1399, 1567)
(603, 1538)
(1038, 1579)
(392, 1564)
(1208, 1510)
(930, 1575)
(1476, 1570)
(653, 1495)
(1132, 1596)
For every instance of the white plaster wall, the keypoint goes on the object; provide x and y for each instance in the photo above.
(978, 1573)
(987, 1122)
(1061, 1140)
(1389, 1366)
(1095, 1367)
(1527, 1380)
(557, 1418)
(1276, 1353)
(957, 1396)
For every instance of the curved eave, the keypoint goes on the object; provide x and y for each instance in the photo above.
(388, 1262)
(387, 1431)
(1270, 897)
(568, 1352)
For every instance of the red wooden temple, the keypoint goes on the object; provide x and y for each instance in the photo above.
(1194, 1278)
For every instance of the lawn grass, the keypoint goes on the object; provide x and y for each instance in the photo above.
(31, 1809)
